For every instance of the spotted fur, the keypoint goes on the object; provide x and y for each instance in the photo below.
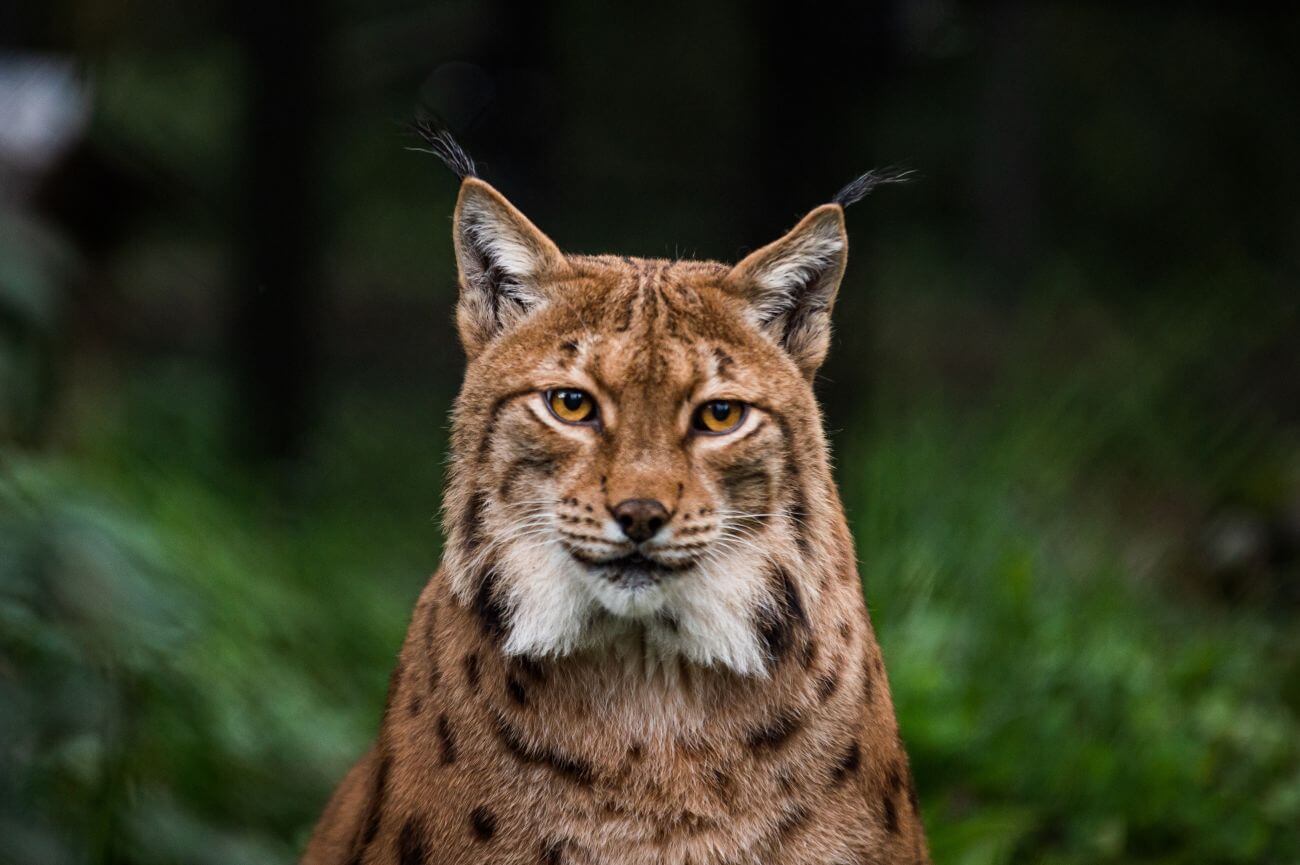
(554, 705)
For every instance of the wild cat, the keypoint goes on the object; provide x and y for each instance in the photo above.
(647, 642)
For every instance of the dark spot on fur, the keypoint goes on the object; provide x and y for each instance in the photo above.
(847, 764)
(911, 794)
(569, 347)
(415, 704)
(552, 852)
(488, 607)
(890, 813)
(846, 630)
(471, 669)
(636, 752)
(629, 312)
(516, 691)
(779, 619)
(894, 778)
(446, 742)
(472, 520)
(375, 810)
(790, 594)
(776, 732)
(483, 822)
(827, 685)
(571, 768)
(411, 845)
(530, 669)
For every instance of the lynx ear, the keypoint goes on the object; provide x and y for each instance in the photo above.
(790, 285)
(502, 259)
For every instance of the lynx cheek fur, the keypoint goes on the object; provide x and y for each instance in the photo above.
(647, 642)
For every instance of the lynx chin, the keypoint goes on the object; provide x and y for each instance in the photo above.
(647, 643)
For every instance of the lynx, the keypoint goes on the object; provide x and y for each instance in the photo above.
(647, 642)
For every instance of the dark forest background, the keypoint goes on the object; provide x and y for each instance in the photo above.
(1064, 397)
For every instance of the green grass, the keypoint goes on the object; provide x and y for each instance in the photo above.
(188, 661)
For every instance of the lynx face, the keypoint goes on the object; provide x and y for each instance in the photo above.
(638, 456)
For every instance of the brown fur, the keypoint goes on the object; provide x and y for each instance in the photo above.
(617, 747)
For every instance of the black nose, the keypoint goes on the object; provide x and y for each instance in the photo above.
(640, 518)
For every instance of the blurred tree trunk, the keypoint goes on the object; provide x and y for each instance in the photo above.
(278, 293)
(516, 133)
(821, 74)
(1006, 174)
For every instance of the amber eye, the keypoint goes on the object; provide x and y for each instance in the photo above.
(571, 405)
(718, 416)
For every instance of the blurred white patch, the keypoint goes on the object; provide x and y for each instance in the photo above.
(44, 109)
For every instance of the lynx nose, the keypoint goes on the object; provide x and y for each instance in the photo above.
(640, 519)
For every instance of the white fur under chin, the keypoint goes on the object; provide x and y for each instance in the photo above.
(549, 610)
(558, 606)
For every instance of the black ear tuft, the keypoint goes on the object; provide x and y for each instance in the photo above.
(442, 145)
(862, 186)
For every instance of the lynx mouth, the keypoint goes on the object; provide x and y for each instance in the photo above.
(633, 571)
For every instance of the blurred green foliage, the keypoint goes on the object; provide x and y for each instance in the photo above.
(1063, 400)
(190, 663)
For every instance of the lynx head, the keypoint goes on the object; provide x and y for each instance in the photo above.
(637, 454)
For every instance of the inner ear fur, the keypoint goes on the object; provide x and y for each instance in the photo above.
(789, 286)
(502, 259)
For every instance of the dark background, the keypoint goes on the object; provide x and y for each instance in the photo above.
(1064, 397)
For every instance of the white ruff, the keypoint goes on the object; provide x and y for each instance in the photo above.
(705, 614)
(549, 609)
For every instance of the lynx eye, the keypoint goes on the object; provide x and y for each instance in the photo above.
(718, 416)
(571, 405)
